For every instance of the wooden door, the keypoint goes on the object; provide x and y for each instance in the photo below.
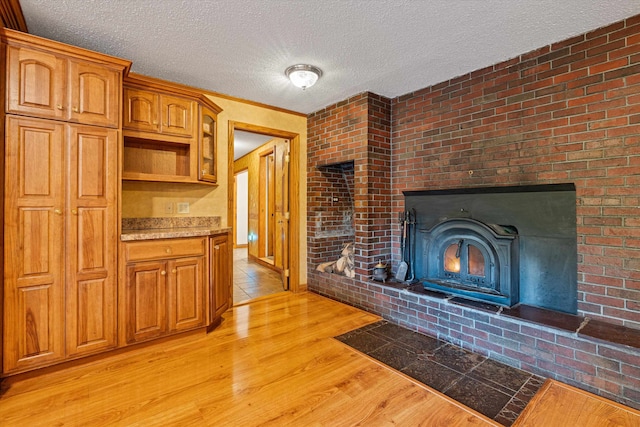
(33, 244)
(95, 94)
(266, 205)
(221, 267)
(281, 250)
(146, 300)
(92, 238)
(141, 110)
(177, 115)
(36, 83)
(186, 293)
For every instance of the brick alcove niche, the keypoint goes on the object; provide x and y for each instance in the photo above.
(564, 113)
(331, 223)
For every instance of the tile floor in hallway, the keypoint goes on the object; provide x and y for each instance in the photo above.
(252, 280)
(496, 390)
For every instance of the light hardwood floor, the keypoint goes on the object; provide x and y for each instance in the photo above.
(558, 404)
(272, 361)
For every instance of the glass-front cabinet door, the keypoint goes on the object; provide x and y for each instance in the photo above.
(207, 149)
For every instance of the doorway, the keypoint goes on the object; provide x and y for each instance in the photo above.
(241, 217)
(269, 241)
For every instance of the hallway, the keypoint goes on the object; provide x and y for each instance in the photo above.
(252, 280)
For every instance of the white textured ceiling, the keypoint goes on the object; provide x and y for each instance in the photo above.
(246, 142)
(389, 47)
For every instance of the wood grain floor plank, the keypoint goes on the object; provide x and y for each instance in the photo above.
(561, 405)
(271, 362)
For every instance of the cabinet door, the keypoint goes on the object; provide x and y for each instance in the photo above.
(95, 94)
(177, 115)
(186, 293)
(91, 242)
(146, 303)
(33, 244)
(221, 265)
(207, 147)
(36, 83)
(141, 110)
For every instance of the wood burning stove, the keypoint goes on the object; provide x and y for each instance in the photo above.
(532, 260)
(466, 257)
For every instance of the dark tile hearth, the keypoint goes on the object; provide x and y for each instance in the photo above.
(496, 390)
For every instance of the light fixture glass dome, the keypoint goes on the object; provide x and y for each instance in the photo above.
(303, 75)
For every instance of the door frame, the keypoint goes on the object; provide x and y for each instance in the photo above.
(294, 194)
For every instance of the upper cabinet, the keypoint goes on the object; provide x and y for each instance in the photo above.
(169, 132)
(52, 85)
(207, 145)
(149, 111)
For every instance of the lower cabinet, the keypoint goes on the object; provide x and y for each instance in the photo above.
(173, 285)
(221, 265)
(164, 288)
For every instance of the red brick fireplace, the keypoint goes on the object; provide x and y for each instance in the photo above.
(565, 113)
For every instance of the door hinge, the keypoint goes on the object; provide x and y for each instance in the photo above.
(286, 272)
(287, 158)
(286, 215)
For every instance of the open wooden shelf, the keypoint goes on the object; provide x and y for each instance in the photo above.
(146, 159)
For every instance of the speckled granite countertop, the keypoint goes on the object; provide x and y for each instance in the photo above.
(170, 228)
(170, 233)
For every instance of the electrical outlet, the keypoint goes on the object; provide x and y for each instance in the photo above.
(183, 207)
(168, 208)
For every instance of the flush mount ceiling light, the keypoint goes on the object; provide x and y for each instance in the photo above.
(303, 75)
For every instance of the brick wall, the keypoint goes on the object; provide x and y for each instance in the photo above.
(353, 137)
(568, 112)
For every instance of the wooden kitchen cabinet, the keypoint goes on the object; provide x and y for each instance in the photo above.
(61, 138)
(164, 132)
(60, 250)
(34, 244)
(186, 293)
(37, 83)
(221, 265)
(91, 240)
(164, 289)
(146, 296)
(207, 169)
(150, 111)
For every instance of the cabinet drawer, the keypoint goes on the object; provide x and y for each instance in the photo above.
(170, 248)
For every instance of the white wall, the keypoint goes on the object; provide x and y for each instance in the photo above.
(242, 208)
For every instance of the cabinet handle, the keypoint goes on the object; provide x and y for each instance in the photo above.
(174, 271)
(163, 272)
(216, 247)
(75, 109)
(155, 122)
(74, 211)
(59, 107)
(168, 250)
(58, 211)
